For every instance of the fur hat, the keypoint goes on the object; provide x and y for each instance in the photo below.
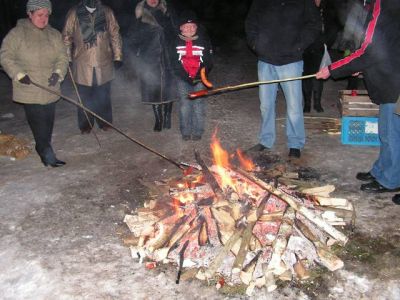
(33, 5)
(187, 16)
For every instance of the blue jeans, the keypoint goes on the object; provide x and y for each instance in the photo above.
(294, 103)
(192, 113)
(386, 169)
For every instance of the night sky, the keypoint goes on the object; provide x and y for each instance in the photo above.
(217, 15)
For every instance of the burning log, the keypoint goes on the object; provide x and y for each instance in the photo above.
(298, 207)
(235, 228)
(209, 178)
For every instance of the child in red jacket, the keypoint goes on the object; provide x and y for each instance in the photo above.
(192, 51)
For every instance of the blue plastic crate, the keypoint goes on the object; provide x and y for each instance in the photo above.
(360, 131)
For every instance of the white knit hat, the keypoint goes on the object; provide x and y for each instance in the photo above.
(38, 4)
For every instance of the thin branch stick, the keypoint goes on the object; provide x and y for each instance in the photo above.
(80, 101)
(108, 123)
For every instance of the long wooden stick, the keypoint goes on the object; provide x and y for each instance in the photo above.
(203, 93)
(108, 123)
(80, 101)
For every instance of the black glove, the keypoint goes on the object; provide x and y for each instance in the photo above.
(25, 80)
(53, 79)
(118, 64)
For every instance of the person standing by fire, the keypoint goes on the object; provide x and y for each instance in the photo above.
(379, 60)
(91, 34)
(33, 51)
(312, 57)
(278, 31)
(154, 28)
(192, 51)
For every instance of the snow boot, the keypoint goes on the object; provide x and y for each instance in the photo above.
(167, 115)
(157, 109)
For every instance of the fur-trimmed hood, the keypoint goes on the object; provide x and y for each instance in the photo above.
(141, 12)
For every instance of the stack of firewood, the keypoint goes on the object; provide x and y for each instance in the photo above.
(14, 147)
(247, 231)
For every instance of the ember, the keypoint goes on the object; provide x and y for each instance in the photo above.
(226, 224)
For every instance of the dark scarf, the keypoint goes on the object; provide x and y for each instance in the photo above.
(88, 31)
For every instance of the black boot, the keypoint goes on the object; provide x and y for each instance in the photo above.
(307, 106)
(167, 115)
(317, 105)
(157, 109)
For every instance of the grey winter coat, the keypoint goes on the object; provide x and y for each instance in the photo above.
(38, 53)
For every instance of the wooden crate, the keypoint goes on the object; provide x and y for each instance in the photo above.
(358, 106)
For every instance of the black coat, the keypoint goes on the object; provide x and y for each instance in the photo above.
(203, 42)
(280, 30)
(379, 56)
(149, 40)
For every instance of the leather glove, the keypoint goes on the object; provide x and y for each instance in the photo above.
(25, 80)
(53, 79)
(118, 64)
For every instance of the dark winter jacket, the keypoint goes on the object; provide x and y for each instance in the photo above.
(280, 30)
(201, 47)
(378, 58)
(152, 31)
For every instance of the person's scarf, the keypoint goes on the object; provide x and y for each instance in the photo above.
(91, 24)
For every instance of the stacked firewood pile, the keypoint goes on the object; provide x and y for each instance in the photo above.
(224, 224)
(13, 147)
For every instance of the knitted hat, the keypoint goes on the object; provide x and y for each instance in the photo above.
(38, 4)
(187, 16)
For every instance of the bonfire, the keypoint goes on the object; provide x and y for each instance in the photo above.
(223, 224)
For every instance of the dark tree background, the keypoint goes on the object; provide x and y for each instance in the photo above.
(223, 18)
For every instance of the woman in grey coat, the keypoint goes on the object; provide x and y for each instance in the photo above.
(33, 50)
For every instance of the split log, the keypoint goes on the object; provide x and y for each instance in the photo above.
(301, 271)
(176, 234)
(236, 211)
(319, 190)
(250, 288)
(336, 234)
(246, 275)
(181, 259)
(203, 233)
(224, 220)
(209, 177)
(279, 246)
(247, 234)
(340, 213)
(286, 276)
(163, 239)
(209, 273)
(327, 258)
(269, 279)
(326, 201)
(265, 217)
(139, 226)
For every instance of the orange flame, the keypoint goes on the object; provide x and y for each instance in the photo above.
(221, 160)
(245, 162)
